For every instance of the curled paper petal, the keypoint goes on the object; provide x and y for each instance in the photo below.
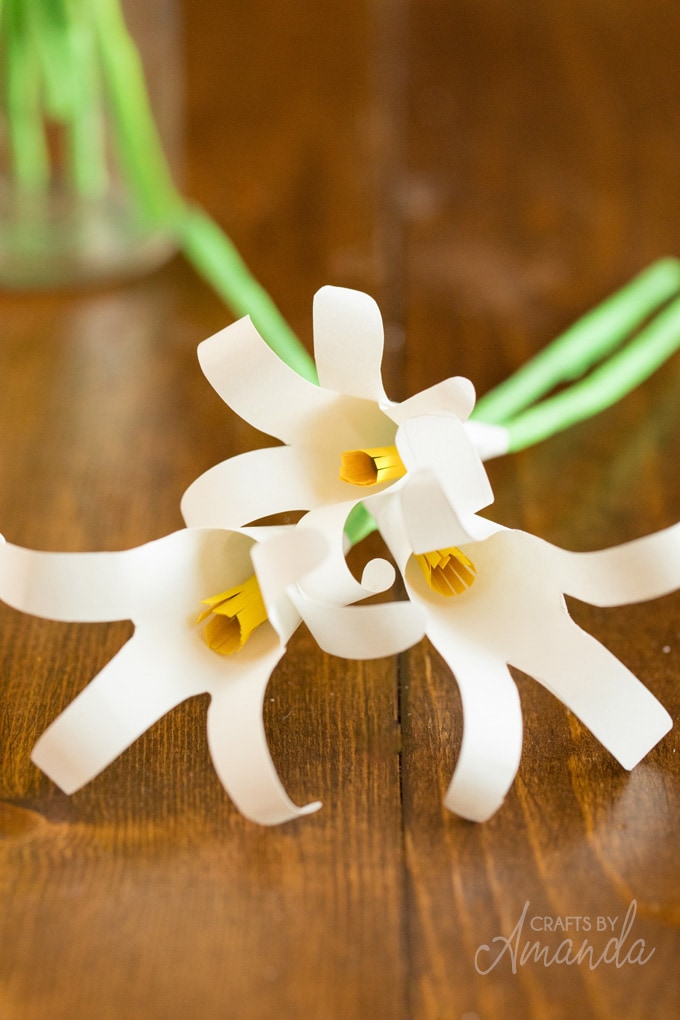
(348, 343)
(280, 562)
(643, 569)
(430, 522)
(128, 696)
(617, 709)
(362, 632)
(441, 444)
(454, 396)
(331, 582)
(162, 577)
(57, 586)
(258, 386)
(378, 575)
(492, 733)
(259, 484)
(238, 744)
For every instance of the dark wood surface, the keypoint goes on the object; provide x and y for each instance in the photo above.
(487, 171)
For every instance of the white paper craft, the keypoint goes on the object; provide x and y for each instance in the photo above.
(160, 587)
(417, 467)
(348, 411)
(514, 613)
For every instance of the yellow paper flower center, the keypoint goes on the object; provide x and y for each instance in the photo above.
(371, 467)
(234, 615)
(447, 571)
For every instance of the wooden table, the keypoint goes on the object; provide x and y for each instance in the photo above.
(487, 171)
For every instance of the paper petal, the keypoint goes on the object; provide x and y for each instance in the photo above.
(60, 586)
(129, 695)
(441, 444)
(619, 710)
(348, 342)
(378, 575)
(636, 571)
(280, 562)
(332, 582)
(362, 632)
(430, 520)
(238, 745)
(168, 576)
(261, 483)
(492, 730)
(454, 396)
(258, 385)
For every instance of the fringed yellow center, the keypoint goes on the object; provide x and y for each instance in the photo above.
(447, 571)
(234, 616)
(371, 467)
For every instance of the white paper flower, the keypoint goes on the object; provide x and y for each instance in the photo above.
(346, 425)
(248, 589)
(510, 610)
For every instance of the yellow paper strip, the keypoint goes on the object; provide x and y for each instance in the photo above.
(447, 571)
(372, 466)
(234, 616)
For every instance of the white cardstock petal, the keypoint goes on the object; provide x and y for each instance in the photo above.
(430, 520)
(261, 483)
(128, 696)
(617, 709)
(441, 444)
(362, 632)
(348, 342)
(636, 571)
(238, 744)
(255, 383)
(282, 561)
(332, 582)
(168, 576)
(454, 396)
(492, 728)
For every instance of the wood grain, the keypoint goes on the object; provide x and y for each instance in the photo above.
(487, 171)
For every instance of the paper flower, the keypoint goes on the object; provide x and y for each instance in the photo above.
(341, 437)
(505, 606)
(214, 605)
(192, 596)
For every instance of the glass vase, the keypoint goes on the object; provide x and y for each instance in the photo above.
(90, 112)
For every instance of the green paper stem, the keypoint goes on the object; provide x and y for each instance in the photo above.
(47, 27)
(604, 386)
(202, 241)
(86, 122)
(138, 145)
(583, 344)
(359, 524)
(216, 259)
(27, 142)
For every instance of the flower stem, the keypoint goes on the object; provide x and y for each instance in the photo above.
(604, 386)
(27, 142)
(216, 259)
(138, 145)
(582, 345)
